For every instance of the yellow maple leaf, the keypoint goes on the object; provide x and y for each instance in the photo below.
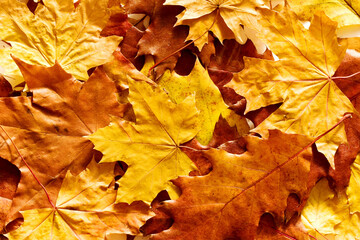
(344, 12)
(301, 79)
(323, 210)
(55, 32)
(223, 17)
(151, 147)
(84, 209)
(328, 215)
(207, 96)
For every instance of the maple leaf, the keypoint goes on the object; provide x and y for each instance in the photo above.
(207, 96)
(322, 212)
(161, 38)
(328, 214)
(229, 201)
(344, 12)
(48, 128)
(301, 79)
(55, 32)
(84, 210)
(151, 146)
(223, 18)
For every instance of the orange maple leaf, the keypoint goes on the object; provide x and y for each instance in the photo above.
(230, 200)
(48, 128)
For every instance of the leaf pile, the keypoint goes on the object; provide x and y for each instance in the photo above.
(214, 120)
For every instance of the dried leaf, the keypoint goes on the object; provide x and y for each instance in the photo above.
(223, 18)
(161, 39)
(345, 12)
(301, 79)
(207, 97)
(229, 201)
(57, 31)
(84, 210)
(328, 214)
(48, 128)
(151, 146)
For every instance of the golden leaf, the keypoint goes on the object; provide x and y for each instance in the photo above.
(344, 12)
(201, 15)
(57, 31)
(151, 147)
(207, 97)
(329, 215)
(301, 79)
(84, 209)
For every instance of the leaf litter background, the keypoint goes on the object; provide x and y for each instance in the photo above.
(179, 119)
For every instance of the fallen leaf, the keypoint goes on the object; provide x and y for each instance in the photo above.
(57, 31)
(327, 214)
(223, 18)
(301, 79)
(151, 146)
(207, 97)
(129, 46)
(84, 209)
(344, 12)
(48, 128)
(322, 212)
(229, 202)
(161, 39)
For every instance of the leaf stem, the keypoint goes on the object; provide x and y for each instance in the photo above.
(27, 165)
(346, 116)
(286, 235)
(350, 76)
(280, 232)
(194, 149)
(188, 44)
(320, 234)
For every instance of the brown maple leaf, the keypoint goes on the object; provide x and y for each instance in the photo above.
(230, 200)
(161, 38)
(129, 46)
(48, 128)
